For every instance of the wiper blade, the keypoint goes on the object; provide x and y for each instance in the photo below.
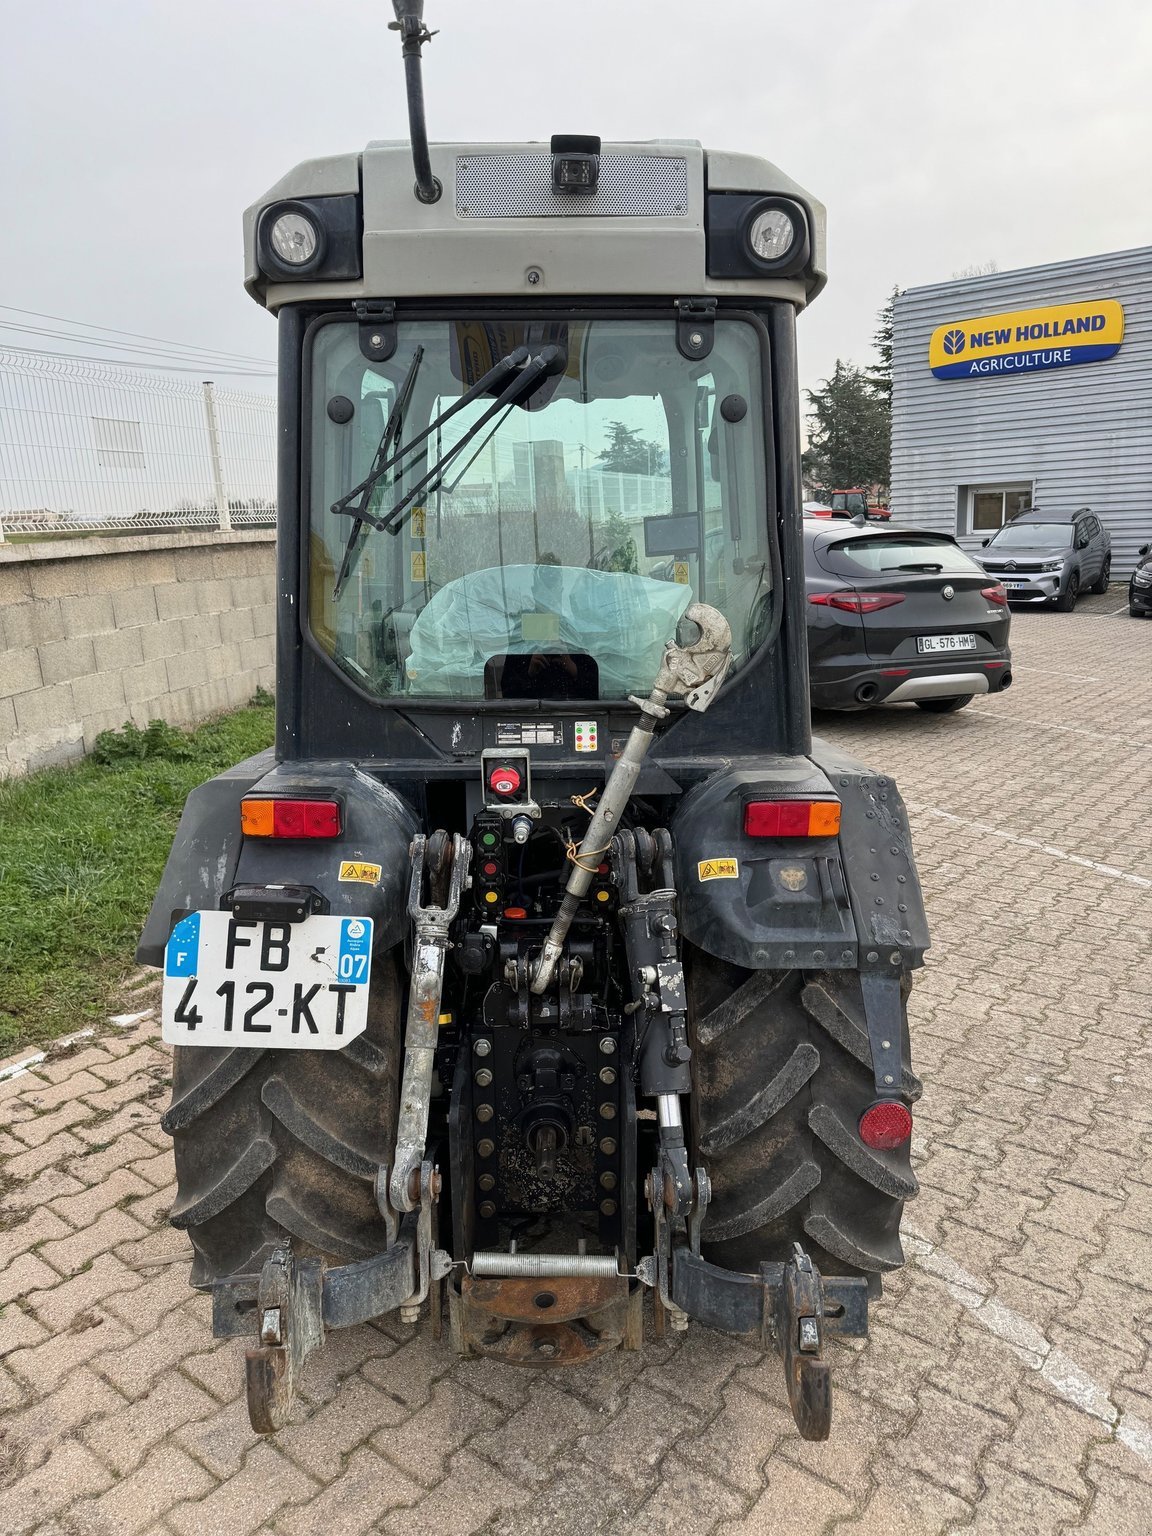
(392, 429)
(495, 375)
(924, 565)
(549, 360)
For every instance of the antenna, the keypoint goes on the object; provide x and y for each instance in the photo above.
(414, 34)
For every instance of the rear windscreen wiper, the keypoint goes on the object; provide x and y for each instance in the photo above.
(392, 429)
(549, 361)
(924, 565)
(496, 375)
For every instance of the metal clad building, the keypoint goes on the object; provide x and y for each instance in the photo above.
(1010, 390)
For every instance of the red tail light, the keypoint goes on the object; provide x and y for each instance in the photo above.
(886, 1125)
(290, 818)
(792, 818)
(995, 594)
(856, 602)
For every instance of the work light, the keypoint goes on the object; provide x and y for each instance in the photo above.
(294, 238)
(772, 234)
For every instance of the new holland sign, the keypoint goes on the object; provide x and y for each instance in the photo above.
(1025, 340)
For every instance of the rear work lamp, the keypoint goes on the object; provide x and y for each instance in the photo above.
(792, 818)
(290, 818)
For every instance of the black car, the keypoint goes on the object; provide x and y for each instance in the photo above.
(1140, 585)
(1050, 557)
(899, 614)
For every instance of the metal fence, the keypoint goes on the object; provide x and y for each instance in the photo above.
(94, 448)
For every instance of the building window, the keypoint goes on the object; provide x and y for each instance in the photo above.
(984, 508)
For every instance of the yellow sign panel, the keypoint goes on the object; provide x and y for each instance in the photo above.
(419, 564)
(1027, 340)
(355, 869)
(680, 572)
(418, 522)
(719, 869)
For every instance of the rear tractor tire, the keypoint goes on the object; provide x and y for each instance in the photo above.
(286, 1143)
(782, 1073)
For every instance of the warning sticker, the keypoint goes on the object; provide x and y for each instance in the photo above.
(680, 573)
(418, 517)
(719, 869)
(419, 563)
(585, 735)
(366, 874)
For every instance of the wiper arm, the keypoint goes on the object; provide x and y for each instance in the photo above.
(549, 360)
(924, 565)
(495, 375)
(392, 429)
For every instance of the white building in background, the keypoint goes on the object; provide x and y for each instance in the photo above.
(1027, 389)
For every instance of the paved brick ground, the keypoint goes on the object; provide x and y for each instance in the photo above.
(1007, 1385)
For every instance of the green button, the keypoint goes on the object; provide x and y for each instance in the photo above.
(489, 839)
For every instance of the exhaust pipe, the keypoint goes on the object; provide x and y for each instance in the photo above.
(866, 693)
(1005, 682)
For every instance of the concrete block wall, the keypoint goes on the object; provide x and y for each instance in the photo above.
(97, 631)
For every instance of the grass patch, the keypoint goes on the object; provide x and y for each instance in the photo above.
(82, 850)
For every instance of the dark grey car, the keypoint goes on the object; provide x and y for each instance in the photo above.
(1050, 557)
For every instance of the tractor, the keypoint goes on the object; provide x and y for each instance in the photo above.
(546, 976)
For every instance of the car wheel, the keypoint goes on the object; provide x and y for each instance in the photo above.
(945, 706)
(1100, 586)
(1067, 599)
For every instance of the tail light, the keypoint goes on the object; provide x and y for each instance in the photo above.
(886, 1125)
(792, 818)
(856, 602)
(290, 818)
(995, 594)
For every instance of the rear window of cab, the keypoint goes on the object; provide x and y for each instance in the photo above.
(888, 555)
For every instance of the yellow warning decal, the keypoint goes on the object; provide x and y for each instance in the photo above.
(418, 516)
(419, 564)
(680, 573)
(719, 869)
(366, 874)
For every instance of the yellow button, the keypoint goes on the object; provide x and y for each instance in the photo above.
(491, 896)
(603, 895)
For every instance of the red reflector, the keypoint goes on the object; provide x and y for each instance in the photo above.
(857, 602)
(995, 594)
(792, 818)
(895, 671)
(504, 781)
(305, 818)
(886, 1125)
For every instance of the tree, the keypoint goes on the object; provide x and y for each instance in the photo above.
(849, 431)
(630, 454)
(883, 339)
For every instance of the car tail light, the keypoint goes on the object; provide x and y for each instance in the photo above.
(290, 818)
(792, 818)
(995, 594)
(886, 1125)
(856, 602)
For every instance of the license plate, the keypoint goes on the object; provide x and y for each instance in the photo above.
(946, 643)
(1016, 583)
(286, 986)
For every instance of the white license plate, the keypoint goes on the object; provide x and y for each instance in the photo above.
(1016, 583)
(946, 643)
(288, 986)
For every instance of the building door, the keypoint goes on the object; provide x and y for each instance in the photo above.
(988, 507)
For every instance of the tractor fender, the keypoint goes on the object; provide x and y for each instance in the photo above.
(812, 902)
(362, 873)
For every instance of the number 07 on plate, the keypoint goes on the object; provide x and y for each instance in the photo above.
(267, 985)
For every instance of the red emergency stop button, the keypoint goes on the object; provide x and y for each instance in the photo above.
(504, 781)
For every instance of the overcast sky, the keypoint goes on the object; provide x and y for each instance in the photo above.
(940, 135)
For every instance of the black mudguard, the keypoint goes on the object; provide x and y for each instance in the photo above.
(787, 903)
(209, 856)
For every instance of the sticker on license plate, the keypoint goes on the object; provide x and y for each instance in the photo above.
(946, 643)
(285, 986)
